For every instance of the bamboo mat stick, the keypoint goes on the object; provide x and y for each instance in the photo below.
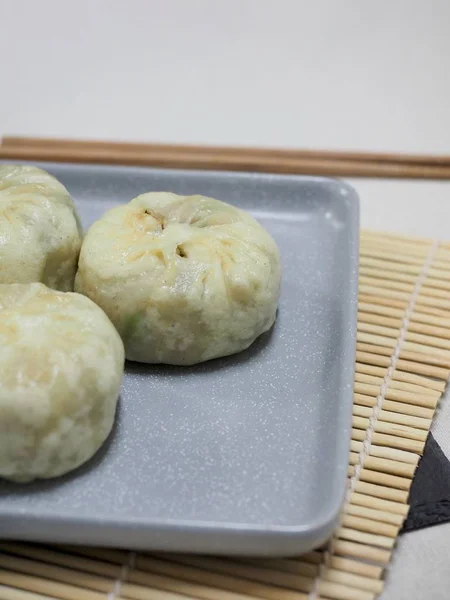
(9, 593)
(337, 591)
(374, 515)
(228, 159)
(402, 456)
(235, 577)
(63, 559)
(368, 501)
(357, 581)
(369, 526)
(384, 465)
(283, 564)
(49, 571)
(47, 587)
(355, 566)
(130, 591)
(205, 585)
(361, 551)
(408, 241)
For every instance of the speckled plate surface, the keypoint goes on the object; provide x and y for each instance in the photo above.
(242, 455)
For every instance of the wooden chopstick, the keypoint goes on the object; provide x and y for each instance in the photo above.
(328, 163)
(369, 157)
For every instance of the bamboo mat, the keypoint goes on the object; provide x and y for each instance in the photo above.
(402, 366)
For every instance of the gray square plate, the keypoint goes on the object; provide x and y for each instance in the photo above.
(243, 455)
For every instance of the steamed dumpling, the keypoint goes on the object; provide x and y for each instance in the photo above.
(183, 278)
(40, 234)
(61, 365)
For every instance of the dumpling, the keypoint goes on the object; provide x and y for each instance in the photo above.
(183, 278)
(40, 234)
(61, 366)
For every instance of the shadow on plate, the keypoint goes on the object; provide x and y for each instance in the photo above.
(44, 485)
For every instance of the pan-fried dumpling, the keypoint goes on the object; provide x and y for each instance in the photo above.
(183, 278)
(40, 234)
(61, 365)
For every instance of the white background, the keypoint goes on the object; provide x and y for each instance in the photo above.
(352, 74)
(318, 73)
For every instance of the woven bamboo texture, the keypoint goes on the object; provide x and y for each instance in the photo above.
(402, 366)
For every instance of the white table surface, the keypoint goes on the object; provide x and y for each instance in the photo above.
(290, 73)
